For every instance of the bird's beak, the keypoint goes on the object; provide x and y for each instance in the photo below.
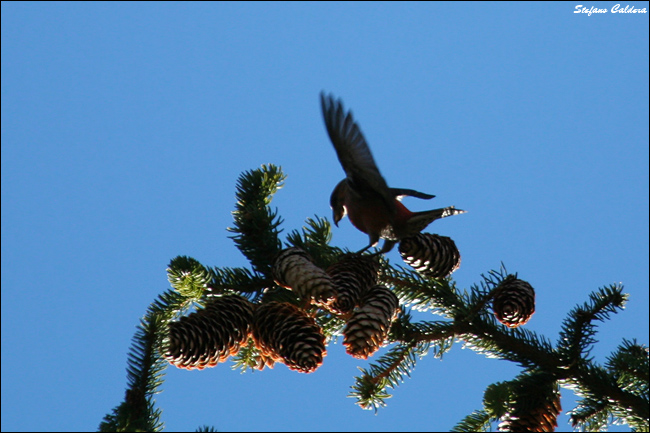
(336, 216)
(336, 202)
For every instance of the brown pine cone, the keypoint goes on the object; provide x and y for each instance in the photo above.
(353, 275)
(366, 331)
(536, 408)
(433, 256)
(288, 334)
(210, 335)
(514, 302)
(293, 269)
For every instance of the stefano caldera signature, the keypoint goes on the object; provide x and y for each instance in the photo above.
(617, 8)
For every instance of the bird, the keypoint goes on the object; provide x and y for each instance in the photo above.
(363, 195)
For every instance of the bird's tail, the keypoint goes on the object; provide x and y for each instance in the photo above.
(420, 220)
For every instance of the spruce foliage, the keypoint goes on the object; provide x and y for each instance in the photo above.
(616, 392)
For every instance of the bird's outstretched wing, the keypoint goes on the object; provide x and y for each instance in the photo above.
(353, 151)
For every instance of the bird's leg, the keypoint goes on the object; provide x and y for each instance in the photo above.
(363, 249)
(388, 245)
(374, 240)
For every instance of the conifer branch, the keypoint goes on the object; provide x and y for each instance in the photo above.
(578, 330)
(314, 239)
(477, 421)
(255, 224)
(421, 294)
(370, 388)
(631, 362)
(597, 384)
(237, 280)
(590, 415)
(617, 390)
(145, 367)
(189, 277)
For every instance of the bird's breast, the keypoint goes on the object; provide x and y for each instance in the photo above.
(369, 215)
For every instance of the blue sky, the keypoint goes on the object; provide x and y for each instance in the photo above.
(126, 125)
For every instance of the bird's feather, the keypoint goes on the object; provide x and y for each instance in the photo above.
(353, 151)
(400, 193)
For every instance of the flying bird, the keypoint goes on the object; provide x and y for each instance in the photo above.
(364, 196)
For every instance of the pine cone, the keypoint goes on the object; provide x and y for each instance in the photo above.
(535, 410)
(287, 334)
(431, 255)
(352, 276)
(208, 336)
(366, 331)
(293, 269)
(514, 302)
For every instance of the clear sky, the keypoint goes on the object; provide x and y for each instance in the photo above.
(126, 125)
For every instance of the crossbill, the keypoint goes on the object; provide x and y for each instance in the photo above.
(364, 196)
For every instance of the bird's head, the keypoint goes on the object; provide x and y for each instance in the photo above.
(337, 200)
